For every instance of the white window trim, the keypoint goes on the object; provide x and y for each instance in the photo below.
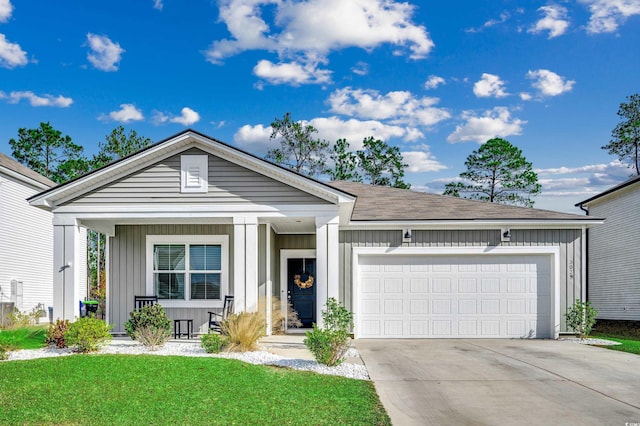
(222, 240)
(201, 162)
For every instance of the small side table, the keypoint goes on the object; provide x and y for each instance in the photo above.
(177, 331)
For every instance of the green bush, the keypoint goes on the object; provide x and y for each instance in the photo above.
(152, 316)
(581, 318)
(151, 336)
(244, 330)
(19, 319)
(55, 333)
(213, 343)
(87, 334)
(330, 343)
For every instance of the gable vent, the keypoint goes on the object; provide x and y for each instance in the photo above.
(194, 173)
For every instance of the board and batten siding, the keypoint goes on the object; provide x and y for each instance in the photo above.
(228, 184)
(26, 248)
(614, 258)
(568, 240)
(127, 269)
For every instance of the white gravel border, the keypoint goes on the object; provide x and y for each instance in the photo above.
(591, 341)
(194, 349)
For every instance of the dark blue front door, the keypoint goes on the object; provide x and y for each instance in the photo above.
(301, 278)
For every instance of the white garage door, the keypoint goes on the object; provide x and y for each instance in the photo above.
(454, 296)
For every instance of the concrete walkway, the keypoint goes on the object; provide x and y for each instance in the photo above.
(503, 382)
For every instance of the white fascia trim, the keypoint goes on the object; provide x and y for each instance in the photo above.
(195, 210)
(553, 251)
(123, 169)
(473, 224)
(223, 240)
(24, 179)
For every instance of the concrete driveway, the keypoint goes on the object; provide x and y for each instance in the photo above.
(503, 382)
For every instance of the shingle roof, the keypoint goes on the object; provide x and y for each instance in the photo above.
(624, 184)
(381, 203)
(14, 166)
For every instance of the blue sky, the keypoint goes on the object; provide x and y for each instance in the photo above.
(434, 78)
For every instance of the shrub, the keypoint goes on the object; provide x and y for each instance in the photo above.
(152, 316)
(87, 334)
(55, 333)
(277, 318)
(244, 330)
(581, 318)
(18, 319)
(151, 336)
(213, 343)
(330, 343)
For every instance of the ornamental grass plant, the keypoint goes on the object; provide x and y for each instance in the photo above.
(244, 330)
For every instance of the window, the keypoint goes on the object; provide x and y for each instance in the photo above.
(187, 270)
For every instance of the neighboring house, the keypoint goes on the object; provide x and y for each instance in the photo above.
(613, 255)
(26, 239)
(191, 219)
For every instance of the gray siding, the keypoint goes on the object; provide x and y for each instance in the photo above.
(568, 240)
(614, 258)
(228, 184)
(127, 268)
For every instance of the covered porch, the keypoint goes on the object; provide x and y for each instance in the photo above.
(252, 256)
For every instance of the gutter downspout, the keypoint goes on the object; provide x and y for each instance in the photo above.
(585, 256)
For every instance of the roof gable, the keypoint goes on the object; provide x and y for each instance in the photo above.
(77, 188)
(625, 184)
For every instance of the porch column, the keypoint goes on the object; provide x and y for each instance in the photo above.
(327, 274)
(66, 271)
(245, 263)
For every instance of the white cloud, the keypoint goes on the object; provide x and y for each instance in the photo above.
(607, 15)
(126, 113)
(6, 8)
(11, 55)
(492, 123)
(334, 128)
(316, 27)
(504, 17)
(400, 107)
(361, 68)
(291, 73)
(256, 137)
(525, 96)
(555, 21)
(488, 86)
(422, 160)
(105, 54)
(187, 117)
(433, 82)
(157, 4)
(36, 100)
(549, 83)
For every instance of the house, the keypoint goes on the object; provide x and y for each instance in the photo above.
(191, 219)
(26, 258)
(613, 255)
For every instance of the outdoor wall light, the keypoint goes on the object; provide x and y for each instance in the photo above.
(406, 235)
(505, 235)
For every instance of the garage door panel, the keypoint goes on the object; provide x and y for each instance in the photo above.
(448, 296)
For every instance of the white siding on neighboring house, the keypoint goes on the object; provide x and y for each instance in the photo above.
(614, 258)
(26, 245)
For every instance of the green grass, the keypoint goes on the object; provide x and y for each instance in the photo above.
(628, 344)
(147, 389)
(23, 338)
(625, 332)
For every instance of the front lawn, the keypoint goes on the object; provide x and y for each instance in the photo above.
(147, 389)
(627, 344)
(625, 332)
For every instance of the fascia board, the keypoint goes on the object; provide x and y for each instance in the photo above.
(473, 224)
